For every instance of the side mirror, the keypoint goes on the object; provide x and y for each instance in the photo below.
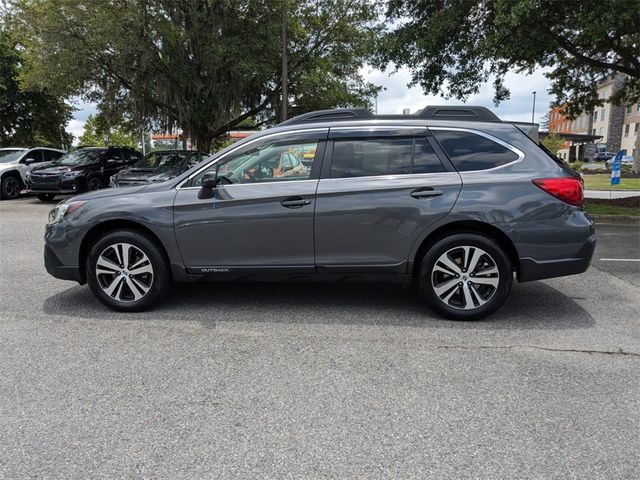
(209, 182)
(111, 161)
(29, 161)
(210, 179)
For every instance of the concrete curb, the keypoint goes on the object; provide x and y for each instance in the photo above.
(616, 219)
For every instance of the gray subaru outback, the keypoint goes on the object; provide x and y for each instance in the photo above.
(451, 199)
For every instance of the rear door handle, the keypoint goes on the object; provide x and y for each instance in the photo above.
(295, 202)
(426, 192)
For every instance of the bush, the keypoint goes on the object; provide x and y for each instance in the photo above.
(577, 166)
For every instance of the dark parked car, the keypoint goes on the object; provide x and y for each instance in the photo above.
(84, 169)
(602, 156)
(158, 166)
(450, 198)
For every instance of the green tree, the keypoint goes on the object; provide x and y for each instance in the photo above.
(27, 116)
(203, 66)
(454, 46)
(100, 133)
(553, 142)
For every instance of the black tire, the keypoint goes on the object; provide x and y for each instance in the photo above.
(458, 287)
(10, 187)
(158, 284)
(46, 197)
(94, 183)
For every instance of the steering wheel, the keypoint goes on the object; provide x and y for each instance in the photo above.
(222, 180)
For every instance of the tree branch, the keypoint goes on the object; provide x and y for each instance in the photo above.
(574, 50)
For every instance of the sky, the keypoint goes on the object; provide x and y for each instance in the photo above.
(396, 96)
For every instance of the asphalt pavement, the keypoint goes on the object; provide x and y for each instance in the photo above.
(317, 381)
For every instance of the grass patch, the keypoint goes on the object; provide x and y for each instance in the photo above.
(616, 206)
(602, 181)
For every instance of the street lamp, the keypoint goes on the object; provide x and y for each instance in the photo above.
(533, 110)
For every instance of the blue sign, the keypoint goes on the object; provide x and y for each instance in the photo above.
(615, 169)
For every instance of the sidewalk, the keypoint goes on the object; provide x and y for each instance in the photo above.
(611, 193)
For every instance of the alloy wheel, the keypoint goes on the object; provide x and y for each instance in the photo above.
(11, 187)
(465, 277)
(124, 272)
(94, 184)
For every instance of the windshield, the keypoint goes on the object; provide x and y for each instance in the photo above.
(80, 157)
(165, 159)
(8, 156)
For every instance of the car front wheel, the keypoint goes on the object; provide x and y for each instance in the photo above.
(10, 187)
(465, 276)
(127, 271)
(94, 184)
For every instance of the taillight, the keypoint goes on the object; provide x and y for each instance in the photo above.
(567, 189)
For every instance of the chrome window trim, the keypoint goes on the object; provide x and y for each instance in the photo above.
(253, 140)
(506, 145)
(394, 176)
(383, 127)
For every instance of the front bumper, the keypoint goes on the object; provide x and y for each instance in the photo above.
(55, 268)
(60, 187)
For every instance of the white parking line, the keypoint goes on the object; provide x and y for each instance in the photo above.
(620, 259)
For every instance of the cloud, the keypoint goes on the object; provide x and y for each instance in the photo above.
(396, 96)
(75, 127)
(82, 112)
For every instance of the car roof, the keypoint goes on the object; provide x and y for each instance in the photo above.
(175, 151)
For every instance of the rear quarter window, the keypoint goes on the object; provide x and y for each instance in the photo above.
(469, 151)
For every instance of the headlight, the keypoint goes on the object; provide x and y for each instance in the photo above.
(71, 174)
(60, 211)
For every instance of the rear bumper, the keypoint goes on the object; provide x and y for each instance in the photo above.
(555, 247)
(532, 269)
(56, 269)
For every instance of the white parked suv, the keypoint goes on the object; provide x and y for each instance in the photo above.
(15, 163)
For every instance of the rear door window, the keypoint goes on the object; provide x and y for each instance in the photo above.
(35, 155)
(470, 151)
(50, 155)
(383, 156)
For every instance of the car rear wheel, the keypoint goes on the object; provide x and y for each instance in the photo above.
(465, 276)
(46, 197)
(10, 187)
(94, 184)
(127, 271)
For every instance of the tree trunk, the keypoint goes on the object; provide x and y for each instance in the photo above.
(202, 140)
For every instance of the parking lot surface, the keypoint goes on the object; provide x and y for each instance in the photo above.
(317, 381)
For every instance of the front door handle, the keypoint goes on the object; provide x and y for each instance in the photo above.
(295, 202)
(426, 192)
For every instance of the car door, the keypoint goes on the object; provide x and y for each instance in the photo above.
(31, 159)
(262, 221)
(113, 162)
(380, 191)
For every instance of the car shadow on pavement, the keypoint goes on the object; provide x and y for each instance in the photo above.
(532, 305)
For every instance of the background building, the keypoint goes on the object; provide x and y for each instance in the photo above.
(617, 126)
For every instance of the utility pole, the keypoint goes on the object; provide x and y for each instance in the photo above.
(285, 74)
(533, 110)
